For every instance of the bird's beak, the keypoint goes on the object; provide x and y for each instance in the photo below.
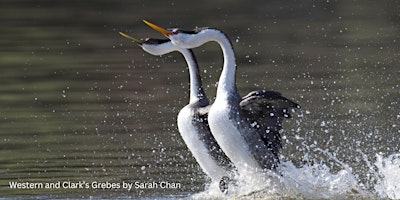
(164, 31)
(137, 41)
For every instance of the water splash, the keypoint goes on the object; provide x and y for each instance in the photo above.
(316, 180)
(388, 184)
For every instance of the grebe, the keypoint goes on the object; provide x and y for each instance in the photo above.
(192, 119)
(247, 129)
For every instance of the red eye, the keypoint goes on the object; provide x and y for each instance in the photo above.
(175, 31)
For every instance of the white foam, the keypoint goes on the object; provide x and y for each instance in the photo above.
(316, 181)
(388, 184)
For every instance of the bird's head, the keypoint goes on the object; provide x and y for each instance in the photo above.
(182, 38)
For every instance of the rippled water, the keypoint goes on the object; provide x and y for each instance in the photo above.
(82, 105)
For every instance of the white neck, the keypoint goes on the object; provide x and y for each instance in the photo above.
(227, 82)
(196, 89)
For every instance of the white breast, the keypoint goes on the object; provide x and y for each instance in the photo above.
(198, 148)
(229, 137)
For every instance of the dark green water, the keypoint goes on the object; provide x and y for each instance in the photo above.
(81, 103)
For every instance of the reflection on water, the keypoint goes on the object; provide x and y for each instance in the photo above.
(80, 103)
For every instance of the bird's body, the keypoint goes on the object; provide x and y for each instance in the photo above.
(248, 128)
(229, 123)
(193, 118)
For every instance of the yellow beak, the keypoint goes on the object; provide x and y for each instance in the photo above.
(157, 28)
(131, 38)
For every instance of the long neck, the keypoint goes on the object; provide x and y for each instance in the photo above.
(196, 89)
(227, 83)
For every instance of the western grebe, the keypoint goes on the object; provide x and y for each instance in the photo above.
(247, 129)
(192, 119)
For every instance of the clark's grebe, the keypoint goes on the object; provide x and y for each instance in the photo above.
(192, 119)
(247, 129)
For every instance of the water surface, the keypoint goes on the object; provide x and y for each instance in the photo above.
(82, 104)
